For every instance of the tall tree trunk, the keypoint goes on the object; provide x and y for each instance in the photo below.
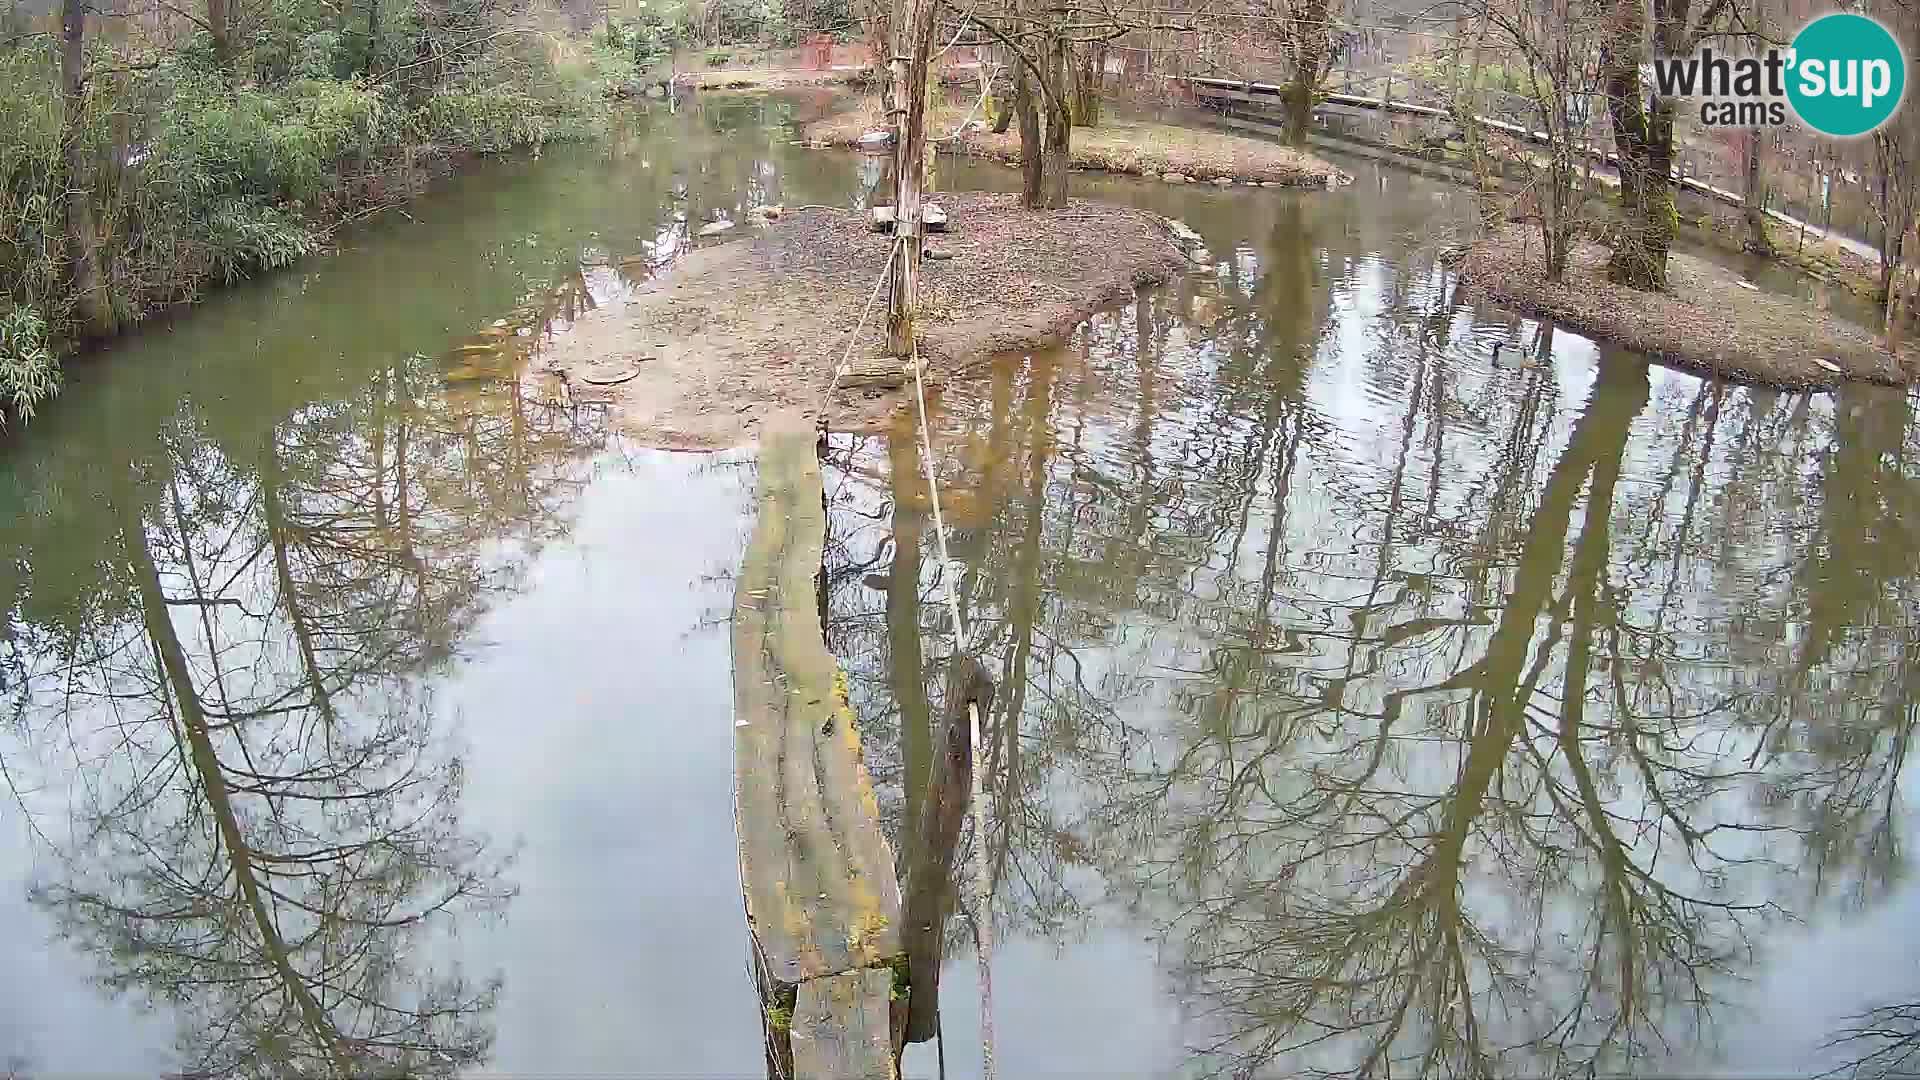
(1754, 200)
(1032, 161)
(220, 26)
(1312, 40)
(1643, 141)
(373, 36)
(93, 311)
(1299, 102)
(912, 53)
(1056, 156)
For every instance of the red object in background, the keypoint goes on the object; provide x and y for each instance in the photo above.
(818, 52)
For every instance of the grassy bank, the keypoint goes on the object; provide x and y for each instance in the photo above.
(1705, 322)
(202, 167)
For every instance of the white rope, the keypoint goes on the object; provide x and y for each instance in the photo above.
(847, 358)
(983, 888)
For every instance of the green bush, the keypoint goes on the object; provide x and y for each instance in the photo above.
(245, 238)
(486, 120)
(198, 176)
(649, 39)
(29, 373)
(719, 57)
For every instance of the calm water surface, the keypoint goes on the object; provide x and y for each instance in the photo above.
(1363, 708)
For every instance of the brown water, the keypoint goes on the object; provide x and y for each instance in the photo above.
(1363, 708)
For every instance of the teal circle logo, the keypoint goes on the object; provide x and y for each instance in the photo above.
(1847, 75)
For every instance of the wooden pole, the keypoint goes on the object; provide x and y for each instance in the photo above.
(913, 47)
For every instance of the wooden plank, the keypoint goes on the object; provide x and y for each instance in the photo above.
(816, 871)
(840, 1027)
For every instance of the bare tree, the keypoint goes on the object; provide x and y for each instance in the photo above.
(1883, 1041)
(1557, 43)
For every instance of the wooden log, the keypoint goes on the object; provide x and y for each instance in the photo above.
(816, 872)
(840, 1027)
(930, 889)
(884, 372)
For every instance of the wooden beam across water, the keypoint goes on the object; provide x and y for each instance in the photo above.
(823, 906)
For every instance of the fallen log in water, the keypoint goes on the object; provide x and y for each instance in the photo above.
(823, 906)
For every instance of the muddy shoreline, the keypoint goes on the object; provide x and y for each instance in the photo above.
(1128, 147)
(734, 330)
(1707, 322)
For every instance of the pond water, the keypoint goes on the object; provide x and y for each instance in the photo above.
(1363, 707)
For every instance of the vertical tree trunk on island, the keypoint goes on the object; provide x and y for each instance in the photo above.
(1055, 157)
(913, 48)
(1311, 46)
(1754, 201)
(1643, 141)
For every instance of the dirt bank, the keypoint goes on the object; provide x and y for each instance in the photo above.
(736, 329)
(766, 78)
(1117, 145)
(1705, 322)
(787, 78)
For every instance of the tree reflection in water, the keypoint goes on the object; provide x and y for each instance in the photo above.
(1444, 720)
(264, 828)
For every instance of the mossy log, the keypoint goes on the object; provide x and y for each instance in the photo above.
(816, 871)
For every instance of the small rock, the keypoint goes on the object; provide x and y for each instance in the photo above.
(1200, 255)
(936, 254)
(1223, 181)
(1828, 364)
(876, 138)
(1271, 183)
(1176, 178)
(716, 228)
(1748, 285)
(656, 91)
